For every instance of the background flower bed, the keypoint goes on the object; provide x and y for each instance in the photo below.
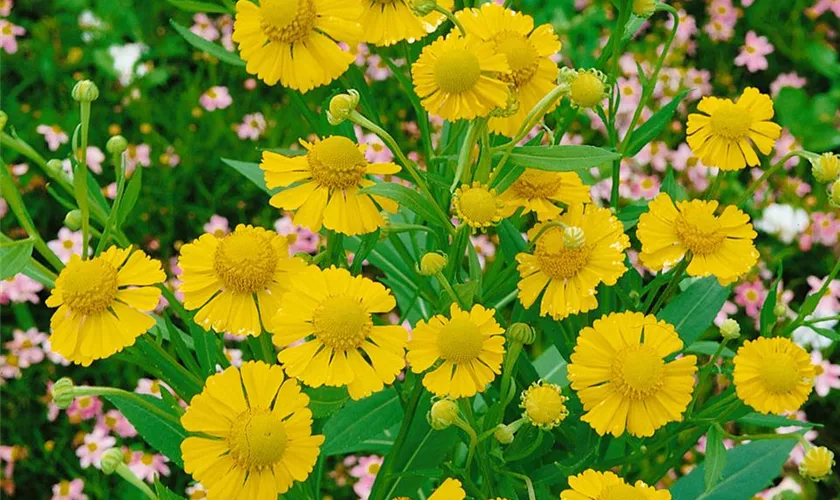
(179, 141)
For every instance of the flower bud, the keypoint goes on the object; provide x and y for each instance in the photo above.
(55, 167)
(73, 220)
(826, 167)
(85, 91)
(504, 434)
(62, 393)
(4, 119)
(544, 405)
(112, 458)
(585, 88)
(423, 8)
(341, 106)
(730, 329)
(644, 8)
(834, 193)
(432, 263)
(116, 145)
(817, 463)
(444, 412)
(573, 237)
(522, 333)
(780, 310)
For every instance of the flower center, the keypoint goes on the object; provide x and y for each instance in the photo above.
(637, 372)
(457, 70)
(587, 90)
(460, 341)
(544, 405)
(336, 163)
(558, 260)
(245, 260)
(477, 205)
(731, 121)
(699, 234)
(68, 244)
(287, 21)
(779, 373)
(537, 184)
(342, 323)
(257, 439)
(64, 488)
(89, 287)
(373, 468)
(146, 459)
(521, 57)
(620, 492)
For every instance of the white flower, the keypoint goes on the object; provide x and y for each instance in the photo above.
(807, 336)
(784, 221)
(125, 59)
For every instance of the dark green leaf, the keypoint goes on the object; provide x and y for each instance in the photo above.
(651, 129)
(551, 367)
(561, 158)
(130, 196)
(359, 421)
(154, 420)
(14, 255)
(408, 198)
(195, 6)
(715, 459)
(205, 348)
(773, 421)
(823, 58)
(694, 310)
(629, 215)
(211, 48)
(510, 239)
(672, 187)
(250, 171)
(182, 382)
(767, 317)
(165, 493)
(708, 348)
(324, 401)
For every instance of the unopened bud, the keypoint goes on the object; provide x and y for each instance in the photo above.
(522, 333)
(444, 412)
(116, 145)
(585, 88)
(341, 106)
(55, 167)
(834, 193)
(504, 434)
(644, 8)
(85, 91)
(826, 167)
(780, 311)
(423, 7)
(817, 463)
(730, 329)
(111, 460)
(62, 393)
(573, 237)
(73, 220)
(432, 263)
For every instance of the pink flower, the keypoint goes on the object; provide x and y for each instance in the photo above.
(484, 248)
(53, 356)
(646, 186)
(786, 143)
(252, 127)
(699, 80)
(137, 154)
(196, 492)
(147, 466)
(8, 36)
(787, 80)
(828, 374)
(69, 490)
(53, 134)
(215, 98)
(68, 243)
(9, 367)
(631, 92)
(720, 30)
(84, 408)
(301, 240)
(169, 158)
(151, 387)
(204, 27)
(831, 299)
(218, 226)
(20, 288)
(234, 356)
(27, 346)
(686, 29)
(750, 296)
(114, 421)
(365, 470)
(727, 310)
(788, 484)
(95, 444)
(825, 228)
(6, 7)
(753, 52)
(375, 150)
(249, 84)
(377, 70)
(94, 159)
(823, 6)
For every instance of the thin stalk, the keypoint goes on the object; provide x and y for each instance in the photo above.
(449, 15)
(767, 173)
(112, 216)
(464, 156)
(389, 462)
(451, 291)
(704, 374)
(672, 285)
(715, 188)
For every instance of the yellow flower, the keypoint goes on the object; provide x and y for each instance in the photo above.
(817, 463)
(323, 186)
(593, 485)
(538, 190)
(586, 88)
(724, 136)
(237, 280)
(528, 52)
(449, 490)
(386, 22)
(773, 375)
(570, 273)
(619, 372)
(253, 433)
(459, 77)
(478, 205)
(544, 405)
(345, 347)
(295, 42)
(717, 245)
(469, 344)
(102, 303)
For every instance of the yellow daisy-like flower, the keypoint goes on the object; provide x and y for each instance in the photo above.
(253, 433)
(477, 205)
(594, 485)
(538, 190)
(386, 22)
(544, 405)
(528, 52)
(327, 182)
(619, 372)
(569, 263)
(236, 281)
(817, 463)
(449, 490)
(459, 77)
(773, 375)
(102, 303)
(331, 310)
(469, 344)
(717, 245)
(724, 136)
(295, 42)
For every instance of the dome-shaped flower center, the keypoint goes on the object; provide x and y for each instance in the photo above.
(68, 244)
(637, 372)
(477, 205)
(558, 260)
(257, 439)
(373, 467)
(88, 287)
(245, 260)
(342, 323)
(620, 492)
(537, 184)
(587, 90)
(778, 373)
(521, 56)
(287, 21)
(699, 232)
(336, 163)
(545, 405)
(457, 70)
(731, 121)
(64, 488)
(460, 341)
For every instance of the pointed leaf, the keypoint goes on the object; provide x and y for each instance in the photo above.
(211, 48)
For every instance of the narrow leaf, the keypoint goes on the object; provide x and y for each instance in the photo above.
(250, 171)
(651, 129)
(694, 310)
(408, 198)
(155, 421)
(130, 196)
(715, 457)
(561, 158)
(195, 6)
(14, 256)
(767, 317)
(211, 48)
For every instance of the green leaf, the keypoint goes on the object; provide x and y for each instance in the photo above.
(361, 420)
(408, 198)
(767, 317)
(14, 256)
(551, 367)
(773, 421)
(324, 401)
(155, 421)
(749, 469)
(211, 48)
(250, 171)
(194, 6)
(561, 158)
(715, 460)
(672, 187)
(694, 310)
(654, 126)
(823, 59)
(629, 215)
(205, 348)
(130, 196)
(165, 493)
(510, 239)
(708, 348)
(367, 243)
(182, 382)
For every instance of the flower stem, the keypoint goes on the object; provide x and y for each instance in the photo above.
(672, 285)
(767, 173)
(389, 462)
(124, 472)
(449, 15)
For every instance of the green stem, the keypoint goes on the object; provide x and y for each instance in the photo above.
(704, 374)
(528, 484)
(767, 173)
(124, 472)
(451, 291)
(80, 177)
(112, 216)
(672, 285)
(464, 156)
(800, 317)
(449, 15)
(86, 390)
(715, 188)
(389, 463)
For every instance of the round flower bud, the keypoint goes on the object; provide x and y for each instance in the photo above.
(522, 333)
(116, 145)
(444, 412)
(587, 89)
(826, 167)
(62, 393)
(423, 8)
(54, 167)
(504, 434)
(780, 310)
(73, 220)
(112, 458)
(573, 237)
(85, 91)
(4, 119)
(834, 192)
(544, 405)
(644, 8)
(817, 463)
(341, 106)
(730, 329)
(432, 263)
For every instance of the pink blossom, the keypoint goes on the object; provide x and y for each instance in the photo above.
(727, 310)
(753, 52)
(831, 298)
(8, 36)
(720, 29)
(169, 158)
(68, 243)
(750, 295)
(20, 288)
(375, 150)
(825, 228)
(377, 70)
(151, 387)
(94, 159)
(301, 240)
(630, 91)
(699, 80)
(147, 466)
(823, 6)
(234, 356)
(69, 490)
(249, 84)
(110, 191)
(6, 7)
(787, 80)
(686, 29)
(196, 492)
(785, 144)
(53, 134)
(137, 154)
(218, 226)
(4, 208)
(26, 345)
(114, 421)
(19, 169)
(95, 444)
(828, 374)
(484, 248)
(252, 127)
(204, 27)
(655, 153)
(365, 470)
(9, 367)
(646, 186)
(53, 356)
(215, 98)
(84, 408)
(724, 10)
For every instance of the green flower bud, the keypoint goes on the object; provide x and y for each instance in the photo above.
(111, 460)
(585, 88)
(644, 8)
(573, 237)
(85, 91)
(432, 263)
(4, 119)
(826, 167)
(116, 145)
(444, 412)
(341, 106)
(504, 434)
(834, 192)
(522, 333)
(73, 220)
(423, 8)
(55, 167)
(62, 393)
(730, 329)
(780, 310)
